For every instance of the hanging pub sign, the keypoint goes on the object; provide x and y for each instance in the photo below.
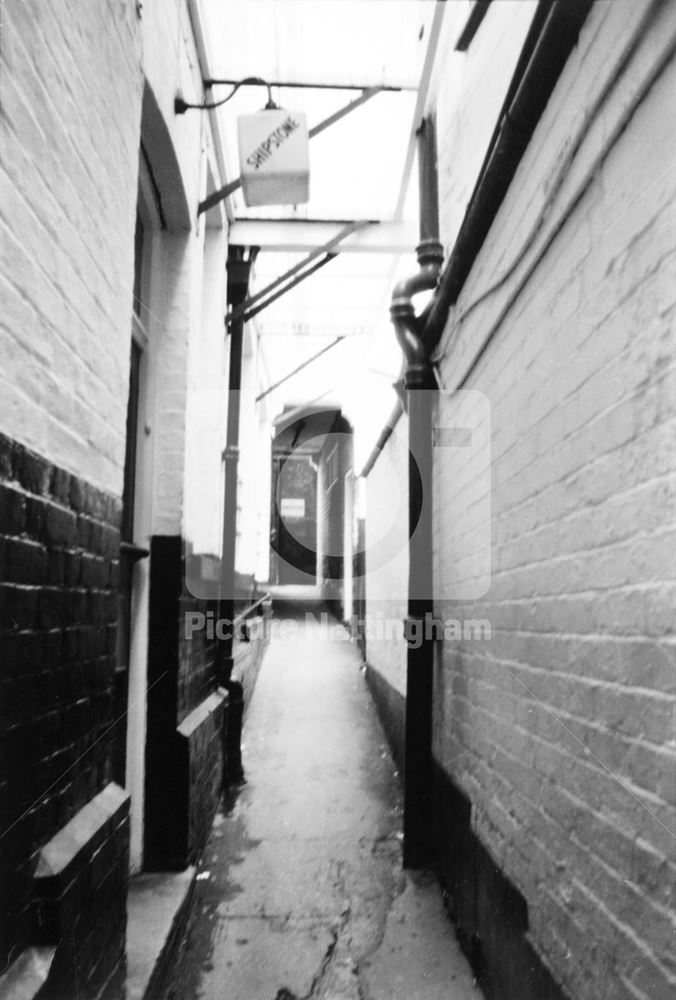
(274, 160)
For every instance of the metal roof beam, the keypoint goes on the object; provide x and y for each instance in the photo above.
(246, 307)
(302, 236)
(316, 85)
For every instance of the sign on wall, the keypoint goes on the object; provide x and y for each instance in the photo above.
(274, 158)
(293, 507)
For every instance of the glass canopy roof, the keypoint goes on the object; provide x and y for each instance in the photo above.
(331, 42)
(356, 165)
(361, 168)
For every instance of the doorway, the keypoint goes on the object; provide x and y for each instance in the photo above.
(294, 518)
(134, 575)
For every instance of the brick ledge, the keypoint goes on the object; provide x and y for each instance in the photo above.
(64, 847)
(200, 714)
(25, 978)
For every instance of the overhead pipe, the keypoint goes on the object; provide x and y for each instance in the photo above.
(419, 381)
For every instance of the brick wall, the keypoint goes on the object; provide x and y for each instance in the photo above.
(186, 746)
(59, 565)
(171, 64)
(248, 653)
(386, 582)
(559, 731)
(70, 91)
(469, 95)
(184, 749)
(197, 656)
(387, 555)
(81, 901)
(81, 86)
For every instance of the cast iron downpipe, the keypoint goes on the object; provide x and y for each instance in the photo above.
(419, 383)
(239, 269)
(553, 35)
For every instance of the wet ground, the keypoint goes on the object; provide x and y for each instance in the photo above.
(300, 893)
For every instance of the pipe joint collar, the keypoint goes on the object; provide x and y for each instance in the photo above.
(407, 327)
(420, 375)
(401, 308)
(430, 253)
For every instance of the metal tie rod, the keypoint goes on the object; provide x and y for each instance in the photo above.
(300, 367)
(347, 230)
(292, 284)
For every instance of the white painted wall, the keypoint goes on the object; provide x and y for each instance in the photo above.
(66, 241)
(207, 405)
(386, 529)
(560, 728)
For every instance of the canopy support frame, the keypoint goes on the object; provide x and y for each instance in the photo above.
(217, 197)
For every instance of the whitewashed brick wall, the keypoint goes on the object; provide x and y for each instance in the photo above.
(387, 581)
(187, 329)
(470, 91)
(560, 729)
(71, 88)
(170, 63)
(207, 401)
(70, 91)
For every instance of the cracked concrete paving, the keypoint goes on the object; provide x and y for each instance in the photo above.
(300, 892)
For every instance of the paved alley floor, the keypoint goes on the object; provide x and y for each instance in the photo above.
(300, 893)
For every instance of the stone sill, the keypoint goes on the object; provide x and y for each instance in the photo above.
(157, 908)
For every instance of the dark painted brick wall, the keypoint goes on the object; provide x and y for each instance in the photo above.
(80, 901)
(59, 543)
(198, 777)
(248, 655)
(197, 656)
(490, 914)
(184, 773)
(166, 580)
(391, 707)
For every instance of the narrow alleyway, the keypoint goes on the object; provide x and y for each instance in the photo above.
(301, 892)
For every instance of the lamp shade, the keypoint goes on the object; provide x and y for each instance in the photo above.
(274, 160)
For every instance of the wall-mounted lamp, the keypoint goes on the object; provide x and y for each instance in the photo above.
(181, 106)
(274, 156)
